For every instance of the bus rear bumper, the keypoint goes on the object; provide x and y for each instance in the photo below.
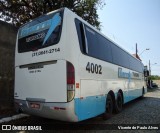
(57, 111)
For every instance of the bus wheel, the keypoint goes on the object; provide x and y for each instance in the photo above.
(109, 108)
(118, 103)
(143, 92)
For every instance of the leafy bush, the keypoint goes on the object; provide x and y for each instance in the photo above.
(154, 77)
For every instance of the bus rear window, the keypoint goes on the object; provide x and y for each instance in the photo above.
(40, 33)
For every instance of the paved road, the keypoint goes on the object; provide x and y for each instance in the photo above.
(139, 111)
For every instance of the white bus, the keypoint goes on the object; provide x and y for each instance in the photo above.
(65, 69)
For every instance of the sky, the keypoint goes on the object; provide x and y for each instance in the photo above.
(128, 22)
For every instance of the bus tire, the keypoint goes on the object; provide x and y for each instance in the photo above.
(119, 103)
(109, 107)
(143, 92)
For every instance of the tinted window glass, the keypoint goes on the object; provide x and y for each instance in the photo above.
(120, 57)
(80, 33)
(104, 48)
(101, 48)
(41, 32)
(92, 41)
(98, 46)
(135, 64)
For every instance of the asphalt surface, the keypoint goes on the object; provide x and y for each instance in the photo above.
(134, 114)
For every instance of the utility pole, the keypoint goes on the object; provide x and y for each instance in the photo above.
(136, 50)
(149, 68)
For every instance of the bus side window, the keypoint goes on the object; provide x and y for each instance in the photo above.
(98, 46)
(81, 36)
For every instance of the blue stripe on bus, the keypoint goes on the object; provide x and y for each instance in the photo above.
(55, 22)
(132, 94)
(95, 105)
(89, 106)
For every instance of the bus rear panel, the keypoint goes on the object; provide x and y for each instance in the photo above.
(44, 79)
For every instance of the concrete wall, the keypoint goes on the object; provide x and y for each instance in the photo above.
(7, 48)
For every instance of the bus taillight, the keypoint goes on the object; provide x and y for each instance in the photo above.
(70, 81)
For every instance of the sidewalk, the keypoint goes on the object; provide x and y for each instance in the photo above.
(10, 114)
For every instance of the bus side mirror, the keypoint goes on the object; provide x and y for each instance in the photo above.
(146, 73)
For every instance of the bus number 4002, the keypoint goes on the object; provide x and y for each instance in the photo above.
(94, 68)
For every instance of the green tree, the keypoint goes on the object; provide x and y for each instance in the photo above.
(155, 77)
(19, 12)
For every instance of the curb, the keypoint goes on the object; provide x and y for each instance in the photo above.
(15, 117)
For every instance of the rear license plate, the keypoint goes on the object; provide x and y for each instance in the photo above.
(35, 105)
